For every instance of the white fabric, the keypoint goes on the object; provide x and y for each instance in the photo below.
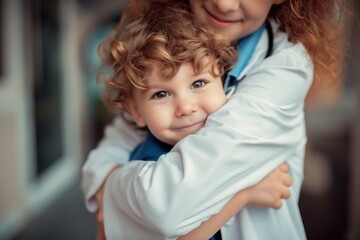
(260, 127)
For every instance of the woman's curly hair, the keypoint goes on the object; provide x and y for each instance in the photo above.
(318, 24)
(166, 37)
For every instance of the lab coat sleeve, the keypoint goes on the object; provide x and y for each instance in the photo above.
(252, 134)
(114, 149)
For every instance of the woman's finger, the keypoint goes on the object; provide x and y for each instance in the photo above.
(286, 194)
(284, 167)
(287, 180)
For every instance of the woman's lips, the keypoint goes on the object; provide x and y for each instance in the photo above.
(218, 22)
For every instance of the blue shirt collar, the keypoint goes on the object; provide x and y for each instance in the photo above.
(245, 49)
(150, 149)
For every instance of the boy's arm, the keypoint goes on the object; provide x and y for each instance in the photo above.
(267, 193)
(100, 235)
(120, 138)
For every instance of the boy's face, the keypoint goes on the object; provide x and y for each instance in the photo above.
(173, 109)
(233, 19)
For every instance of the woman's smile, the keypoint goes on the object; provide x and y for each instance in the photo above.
(218, 21)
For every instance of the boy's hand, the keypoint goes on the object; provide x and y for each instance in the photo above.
(269, 191)
(100, 235)
(99, 198)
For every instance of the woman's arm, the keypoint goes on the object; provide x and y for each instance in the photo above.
(267, 194)
(260, 127)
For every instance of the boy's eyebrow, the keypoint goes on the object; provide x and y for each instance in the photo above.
(159, 85)
(204, 74)
(150, 87)
(206, 70)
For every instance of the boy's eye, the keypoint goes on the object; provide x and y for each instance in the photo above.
(198, 84)
(160, 94)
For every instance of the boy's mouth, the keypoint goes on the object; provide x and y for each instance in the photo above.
(191, 125)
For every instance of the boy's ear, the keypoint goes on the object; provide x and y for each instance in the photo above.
(130, 106)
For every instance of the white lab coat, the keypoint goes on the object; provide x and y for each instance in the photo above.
(260, 127)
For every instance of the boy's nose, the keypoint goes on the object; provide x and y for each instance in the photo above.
(185, 107)
(226, 5)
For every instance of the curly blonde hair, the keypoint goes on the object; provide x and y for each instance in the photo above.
(166, 38)
(317, 24)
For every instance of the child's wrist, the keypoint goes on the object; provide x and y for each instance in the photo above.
(246, 195)
(112, 170)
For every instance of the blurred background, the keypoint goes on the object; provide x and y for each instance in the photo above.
(51, 116)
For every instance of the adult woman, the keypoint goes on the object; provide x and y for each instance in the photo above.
(260, 127)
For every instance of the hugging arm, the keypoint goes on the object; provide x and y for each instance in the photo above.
(267, 194)
(260, 127)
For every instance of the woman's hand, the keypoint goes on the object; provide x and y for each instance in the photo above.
(269, 191)
(267, 194)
